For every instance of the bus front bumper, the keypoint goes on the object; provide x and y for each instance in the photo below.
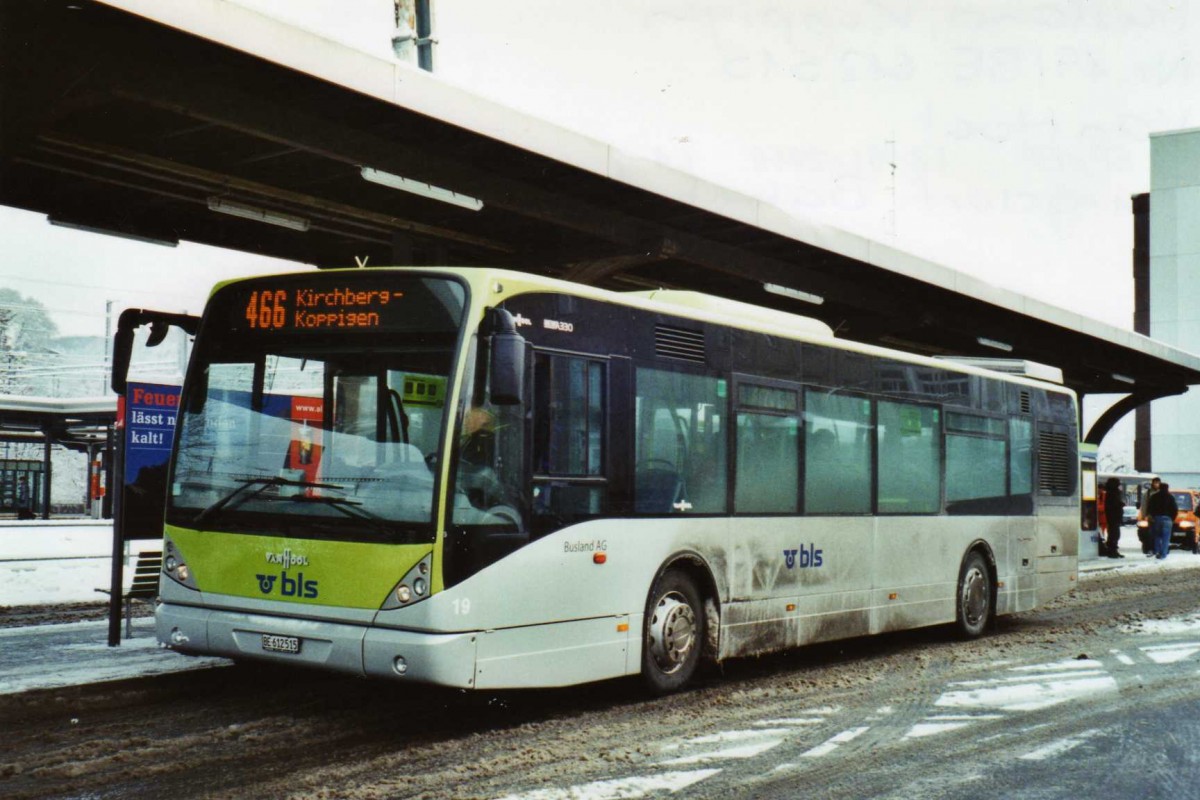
(410, 656)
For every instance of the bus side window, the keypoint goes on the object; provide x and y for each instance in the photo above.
(909, 447)
(681, 443)
(662, 450)
(768, 450)
(837, 454)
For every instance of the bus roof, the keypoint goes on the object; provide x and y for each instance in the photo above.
(735, 310)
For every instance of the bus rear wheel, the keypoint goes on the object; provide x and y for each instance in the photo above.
(673, 633)
(974, 599)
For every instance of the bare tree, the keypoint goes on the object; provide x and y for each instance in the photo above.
(26, 336)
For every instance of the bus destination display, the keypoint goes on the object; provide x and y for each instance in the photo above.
(295, 308)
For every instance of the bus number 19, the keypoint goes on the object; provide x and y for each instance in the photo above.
(267, 309)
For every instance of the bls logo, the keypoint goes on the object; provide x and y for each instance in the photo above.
(808, 557)
(288, 587)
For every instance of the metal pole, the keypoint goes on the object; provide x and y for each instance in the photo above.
(107, 344)
(117, 489)
(88, 501)
(46, 475)
(106, 465)
(424, 35)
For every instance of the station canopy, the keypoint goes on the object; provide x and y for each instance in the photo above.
(201, 121)
(76, 423)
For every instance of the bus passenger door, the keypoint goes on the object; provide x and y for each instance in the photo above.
(570, 409)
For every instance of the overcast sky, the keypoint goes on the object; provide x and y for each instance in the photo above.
(74, 274)
(1001, 139)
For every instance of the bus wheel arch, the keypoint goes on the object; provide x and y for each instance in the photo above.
(681, 625)
(975, 592)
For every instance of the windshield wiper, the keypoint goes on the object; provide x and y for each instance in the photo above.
(351, 508)
(239, 493)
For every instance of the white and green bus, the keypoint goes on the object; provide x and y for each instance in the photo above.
(487, 479)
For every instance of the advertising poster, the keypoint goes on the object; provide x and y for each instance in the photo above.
(149, 417)
(304, 453)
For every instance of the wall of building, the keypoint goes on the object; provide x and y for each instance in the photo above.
(1175, 294)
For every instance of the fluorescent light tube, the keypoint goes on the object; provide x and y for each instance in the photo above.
(422, 189)
(59, 223)
(795, 294)
(234, 209)
(995, 344)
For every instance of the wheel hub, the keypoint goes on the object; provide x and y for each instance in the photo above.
(672, 632)
(974, 596)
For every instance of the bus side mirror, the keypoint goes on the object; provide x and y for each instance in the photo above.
(122, 352)
(506, 374)
(130, 320)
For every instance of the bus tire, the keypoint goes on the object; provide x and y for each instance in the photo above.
(973, 600)
(673, 634)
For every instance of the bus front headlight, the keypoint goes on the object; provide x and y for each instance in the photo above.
(413, 587)
(175, 567)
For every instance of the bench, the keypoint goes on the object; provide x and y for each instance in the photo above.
(144, 585)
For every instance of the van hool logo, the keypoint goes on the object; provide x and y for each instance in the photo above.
(288, 586)
(804, 557)
(287, 559)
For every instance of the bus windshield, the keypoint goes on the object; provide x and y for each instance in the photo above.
(283, 432)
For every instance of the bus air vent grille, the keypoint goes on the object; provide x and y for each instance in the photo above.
(1026, 402)
(679, 343)
(1054, 464)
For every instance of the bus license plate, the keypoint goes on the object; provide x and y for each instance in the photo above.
(280, 644)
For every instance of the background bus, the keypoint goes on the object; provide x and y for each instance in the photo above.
(502, 480)
(1133, 488)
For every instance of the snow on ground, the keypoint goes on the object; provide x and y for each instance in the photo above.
(55, 538)
(1175, 626)
(52, 562)
(48, 562)
(75, 653)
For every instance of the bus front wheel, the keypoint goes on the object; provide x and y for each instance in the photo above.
(975, 594)
(673, 633)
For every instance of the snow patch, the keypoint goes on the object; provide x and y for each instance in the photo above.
(730, 745)
(832, 744)
(620, 788)
(76, 653)
(1033, 687)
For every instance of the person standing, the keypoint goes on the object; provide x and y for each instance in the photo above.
(24, 499)
(1161, 511)
(1114, 507)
